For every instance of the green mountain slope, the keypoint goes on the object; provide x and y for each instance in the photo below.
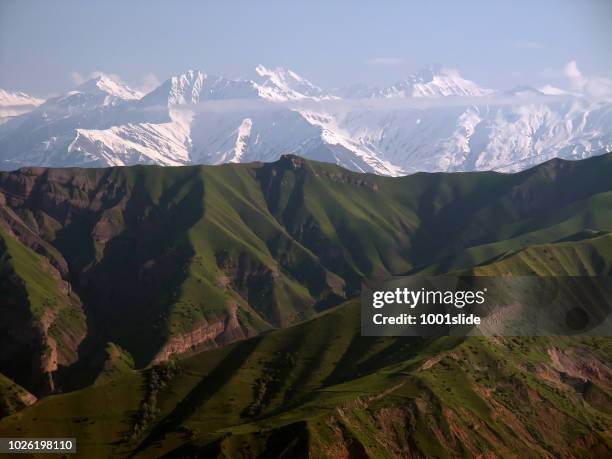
(173, 260)
(585, 257)
(13, 397)
(319, 389)
(41, 321)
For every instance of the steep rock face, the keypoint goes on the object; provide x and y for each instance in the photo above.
(204, 335)
(98, 216)
(42, 320)
(253, 281)
(24, 355)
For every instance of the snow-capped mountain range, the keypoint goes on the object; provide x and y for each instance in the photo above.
(435, 120)
(16, 103)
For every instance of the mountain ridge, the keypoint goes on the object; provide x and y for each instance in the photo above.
(433, 121)
(206, 255)
(213, 310)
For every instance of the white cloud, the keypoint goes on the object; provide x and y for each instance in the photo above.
(386, 61)
(370, 104)
(574, 82)
(596, 87)
(574, 75)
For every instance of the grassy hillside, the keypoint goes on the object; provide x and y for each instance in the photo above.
(320, 389)
(13, 397)
(41, 320)
(173, 260)
(584, 257)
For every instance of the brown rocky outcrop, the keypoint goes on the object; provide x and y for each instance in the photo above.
(222, 331)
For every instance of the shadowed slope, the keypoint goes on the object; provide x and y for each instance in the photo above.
(172, 260)
(320, 389)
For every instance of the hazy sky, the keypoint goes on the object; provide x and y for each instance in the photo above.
(45, 47)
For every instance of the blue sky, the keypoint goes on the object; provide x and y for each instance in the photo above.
(45, 47)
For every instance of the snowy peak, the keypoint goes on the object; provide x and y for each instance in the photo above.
(436, 81)
(15, 104)
(105, 85)
(17, 99)
(101, 91)
(429, 73)
(195, 86)
(182, 89)
(196, 118)
(274, 85)
(186, 88)
(282, 84)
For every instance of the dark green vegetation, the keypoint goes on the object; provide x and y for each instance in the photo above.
(13, 397)
(162, 261)
(42, 321)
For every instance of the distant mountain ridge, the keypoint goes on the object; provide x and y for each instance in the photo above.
(435, 120)
(433, 81)
(16, 103)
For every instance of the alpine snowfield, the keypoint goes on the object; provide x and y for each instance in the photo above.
(435, 120)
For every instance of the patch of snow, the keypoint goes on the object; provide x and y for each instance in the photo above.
(243, 134)
(16, 103)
